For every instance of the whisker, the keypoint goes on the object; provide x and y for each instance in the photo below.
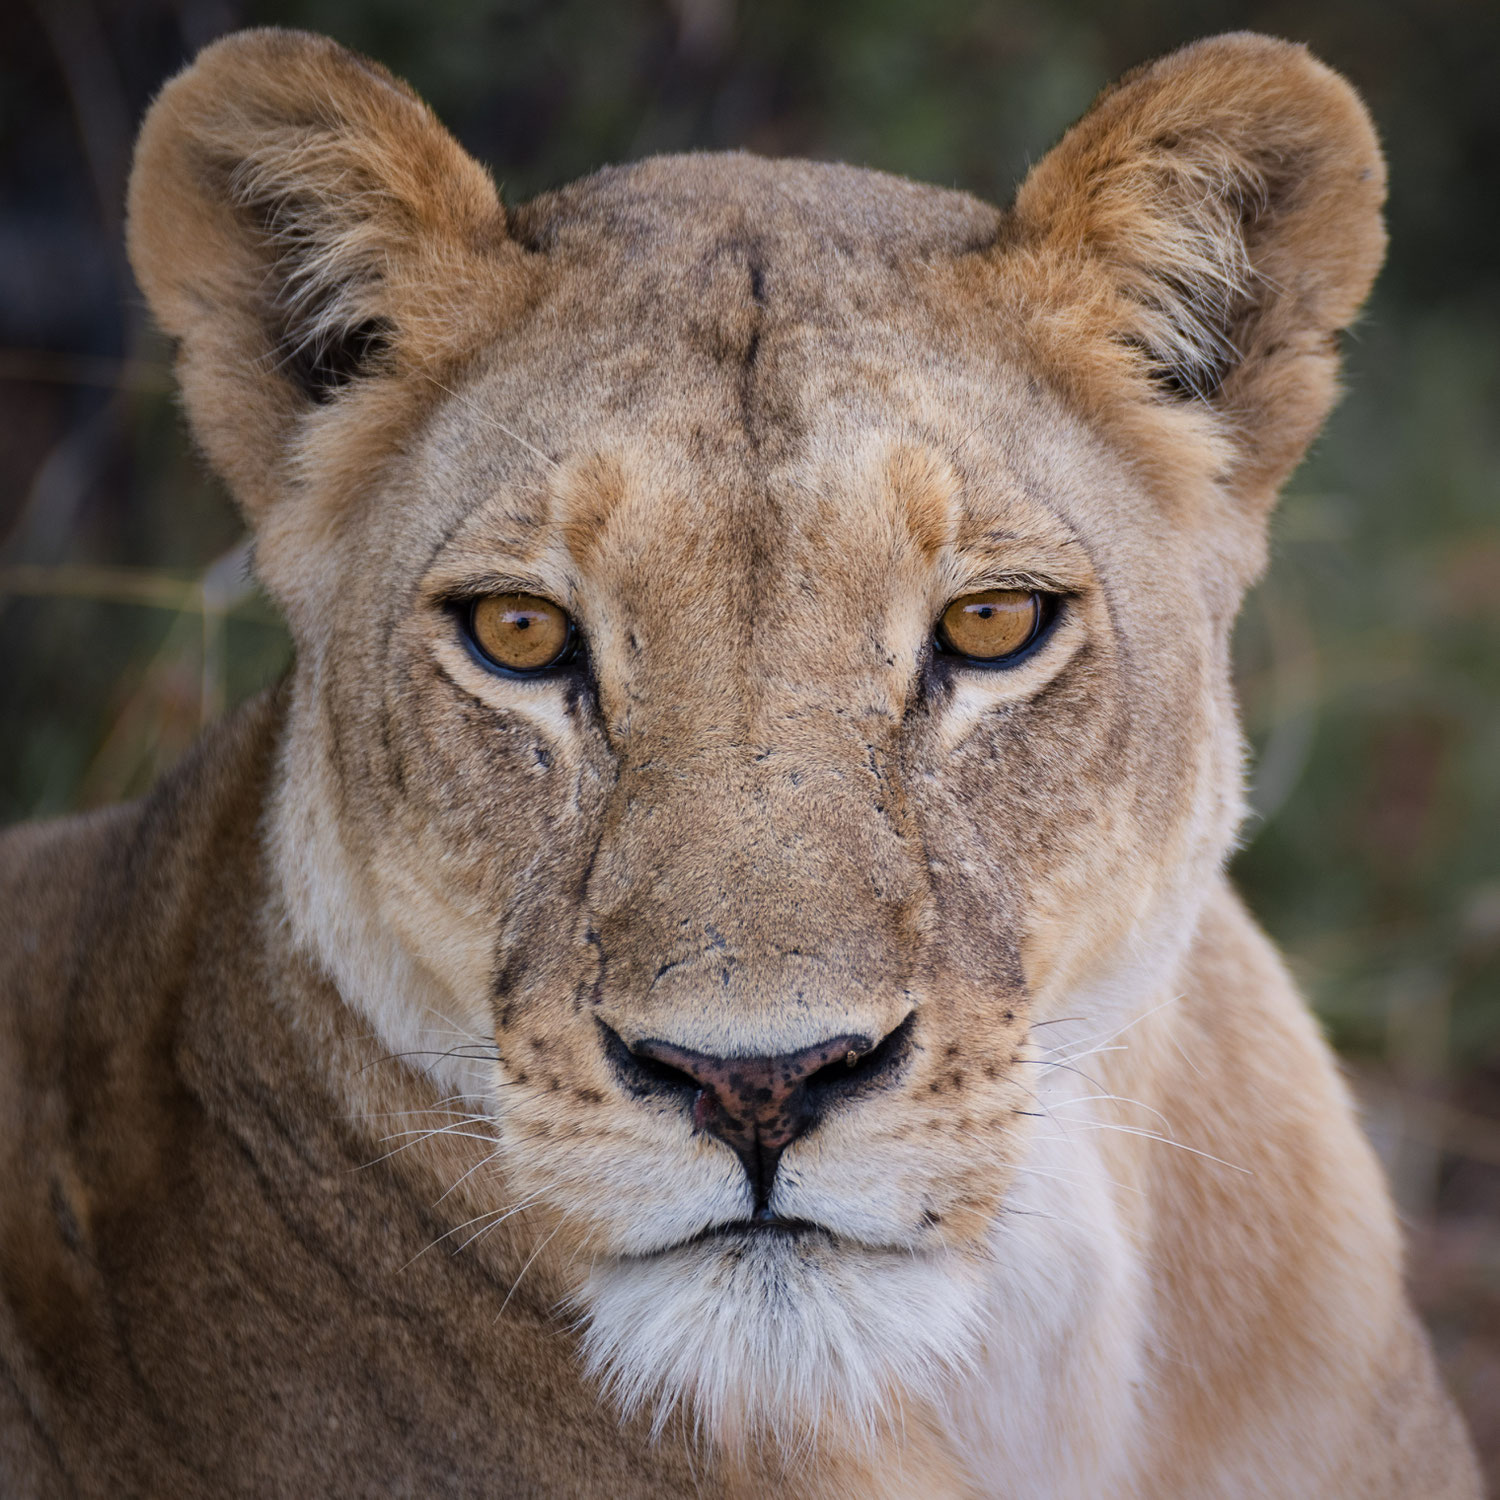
(495, 1222)
(436, 1130)
(440, 1108)
(1000, 1159)
(524, 1269)
(1151, 1135)
(488, 1213)
(487, 1054)
(493, 421)
(1115, 1099)
(484, 1161)
(424, 1135)
(1121, 1030)
(1098, 1051)
(1182, 1052)
(1047, 1062)
(1073, 1179)
(452, 1027)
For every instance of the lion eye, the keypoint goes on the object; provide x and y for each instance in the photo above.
(520, 632)
(993, 625)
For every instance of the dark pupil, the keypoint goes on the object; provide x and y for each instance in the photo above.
(985, 611)
(523, 622)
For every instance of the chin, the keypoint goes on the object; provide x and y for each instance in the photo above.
(786, 1333)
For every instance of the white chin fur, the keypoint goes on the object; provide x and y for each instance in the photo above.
(796, 1339)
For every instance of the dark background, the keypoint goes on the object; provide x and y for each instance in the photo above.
(1369, 659)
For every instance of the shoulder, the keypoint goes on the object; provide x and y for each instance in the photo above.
(45, 871)
(103, 917)
(72, 887)
(103, 911)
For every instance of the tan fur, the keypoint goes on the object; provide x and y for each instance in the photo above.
(316, 1176)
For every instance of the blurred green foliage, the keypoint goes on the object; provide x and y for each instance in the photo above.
(1369, 658)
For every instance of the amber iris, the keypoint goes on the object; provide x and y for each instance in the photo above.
(520, 632)
(992, 625)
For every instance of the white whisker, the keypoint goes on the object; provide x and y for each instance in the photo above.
(524, 1269)
(1151, 1135)
(493, 421)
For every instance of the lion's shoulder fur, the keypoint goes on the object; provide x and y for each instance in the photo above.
(1242, 1074)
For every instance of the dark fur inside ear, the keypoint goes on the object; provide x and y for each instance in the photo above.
(1193, 275)
(312, 339)
(310, 288)
(1194, 328)
(323, 367)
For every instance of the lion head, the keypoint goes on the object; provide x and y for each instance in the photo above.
(762, 648)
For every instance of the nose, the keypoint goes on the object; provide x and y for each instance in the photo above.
(759, 1105)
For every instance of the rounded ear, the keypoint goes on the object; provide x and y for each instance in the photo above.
(1215, 221)
(300, 223)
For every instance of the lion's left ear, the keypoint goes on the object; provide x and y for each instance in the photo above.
(1209, 227)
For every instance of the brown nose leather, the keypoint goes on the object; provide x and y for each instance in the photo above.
(757, 1105)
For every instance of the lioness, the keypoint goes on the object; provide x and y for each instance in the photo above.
(714, 974)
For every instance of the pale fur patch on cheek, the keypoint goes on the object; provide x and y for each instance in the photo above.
(977, 694)
(541, 703)
(796, 1341)
(331, 910)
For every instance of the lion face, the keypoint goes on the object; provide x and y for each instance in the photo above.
(761, 813)
(738, 911)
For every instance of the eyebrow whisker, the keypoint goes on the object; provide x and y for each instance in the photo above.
(492, 420)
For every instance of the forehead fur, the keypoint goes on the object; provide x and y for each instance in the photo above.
(781, 323)
(827, 209)
(744, 285)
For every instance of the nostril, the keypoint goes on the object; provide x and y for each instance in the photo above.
(642, 1073)
(660, 1072)
(876, 1065)
(755, 1085)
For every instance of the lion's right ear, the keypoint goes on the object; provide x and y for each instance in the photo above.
(302, 225)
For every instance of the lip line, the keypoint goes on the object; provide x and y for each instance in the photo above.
(771, 1224)
(746, 1228)
(732, 1228)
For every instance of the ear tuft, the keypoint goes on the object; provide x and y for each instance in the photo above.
(1216, 215)
(326, 310)
(1186, 261)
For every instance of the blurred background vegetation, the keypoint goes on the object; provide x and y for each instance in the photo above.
(1369, 658)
